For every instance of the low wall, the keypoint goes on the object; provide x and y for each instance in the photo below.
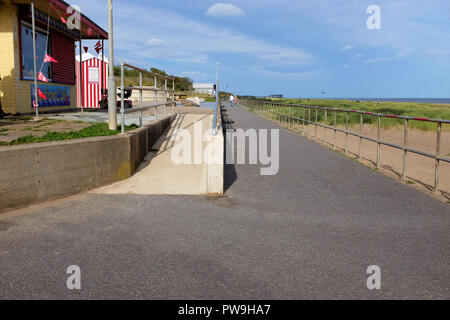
(38, 172)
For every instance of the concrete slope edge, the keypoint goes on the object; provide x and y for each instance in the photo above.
(35, 173)
(215, 160)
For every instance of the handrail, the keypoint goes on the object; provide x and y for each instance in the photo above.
(268, 107)
(141, 88)
(145, 88)
(359, 112)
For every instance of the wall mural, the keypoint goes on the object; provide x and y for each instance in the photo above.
(56, 95)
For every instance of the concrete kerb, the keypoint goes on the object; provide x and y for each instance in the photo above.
(215, 164)
(215, 159)
(35, 173)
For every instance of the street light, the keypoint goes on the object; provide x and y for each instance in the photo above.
(36, 97)
(217, 99)
(112, 104)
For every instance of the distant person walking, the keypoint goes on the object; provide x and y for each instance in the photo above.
(231, 101)
(235, 101)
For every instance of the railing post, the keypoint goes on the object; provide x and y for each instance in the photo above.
(405, 147)
(315, 130)
(335, 131)
(122, 97)
(140, 99)
(360, 132)
(437, 161)
(156, 98)
(378, 142)
(290, 116)
(346, 132)
(278, 115)
(303, 118)
(173, 94)
(165, 97)
(309, 119)
(286, 117)
(324, 128)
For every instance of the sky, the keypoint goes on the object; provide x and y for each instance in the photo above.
(298, 48)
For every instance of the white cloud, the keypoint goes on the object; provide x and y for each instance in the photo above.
(434, 53)
(195, 75)
(402, 23)
(358, 55)
(187, 40)
(155, 42)
(378, 60)
(224, 10)
(282, 55)
(345, 66)
(263, 71)
(347, 47)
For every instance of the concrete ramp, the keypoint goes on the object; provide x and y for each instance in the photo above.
(159, 174)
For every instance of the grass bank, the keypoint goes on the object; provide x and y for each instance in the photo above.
(96, 130)
(421, 110)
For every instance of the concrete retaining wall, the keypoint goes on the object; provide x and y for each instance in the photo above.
(38, 172)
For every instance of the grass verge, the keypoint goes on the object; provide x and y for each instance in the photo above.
(420, 110)
(96, 130)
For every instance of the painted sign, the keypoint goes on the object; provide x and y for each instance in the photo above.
(56, 95)
(93, 75)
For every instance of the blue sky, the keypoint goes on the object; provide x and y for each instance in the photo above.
(298, 48)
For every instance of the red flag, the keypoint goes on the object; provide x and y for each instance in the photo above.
(34, 104)
(98, 47)
(86, 49)
(49, 59)
(41, 77)
(41, 94)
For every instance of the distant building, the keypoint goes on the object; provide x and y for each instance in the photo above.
(205, 88)
(275, 96)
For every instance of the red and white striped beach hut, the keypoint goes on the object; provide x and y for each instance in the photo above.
(95, 78)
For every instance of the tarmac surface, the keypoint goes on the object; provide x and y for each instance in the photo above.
(309, 232)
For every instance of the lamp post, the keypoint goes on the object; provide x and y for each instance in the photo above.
(217, 99)
(112, 111)
(36, 97)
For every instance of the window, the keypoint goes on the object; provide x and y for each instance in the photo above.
(27, 53)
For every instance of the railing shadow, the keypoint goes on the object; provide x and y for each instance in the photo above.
(230, 174)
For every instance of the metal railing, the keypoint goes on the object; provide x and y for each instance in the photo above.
(267, 108)
(141, 88)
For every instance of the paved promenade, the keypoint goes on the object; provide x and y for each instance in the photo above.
(308, 232)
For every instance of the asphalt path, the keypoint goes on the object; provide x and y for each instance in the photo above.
(308, 232)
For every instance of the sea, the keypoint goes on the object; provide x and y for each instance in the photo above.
(418, 100)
